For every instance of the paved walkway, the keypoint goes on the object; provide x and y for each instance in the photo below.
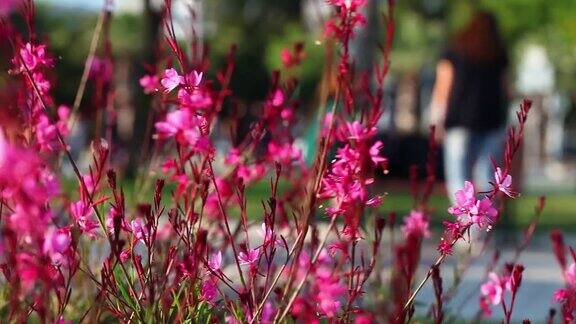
(542, 276)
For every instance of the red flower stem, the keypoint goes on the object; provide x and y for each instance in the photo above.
(226, 223)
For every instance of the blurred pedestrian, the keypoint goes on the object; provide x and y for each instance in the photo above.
(469, 102)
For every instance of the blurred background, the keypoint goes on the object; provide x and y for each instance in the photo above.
(540, 37)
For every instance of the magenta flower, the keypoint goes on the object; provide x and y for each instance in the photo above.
(329, 290)
(356, 131)
(56, 243)
(42, 84)
(249, 257)
(277, 98)
(32, 56)
(416, 224)
(125, 255)
(6, 6)
(266, 233)
(82, 214)
(139, 229)
(150, 83)
(194, 99)
(504, 182)
(111, 218)
(194, 78)
(209, 291)
(171, 80)
(493, 289)
(483, 213)
(181, 125)
(250, 173)
(215, 261)
(268, 313)
(47, 133)
(375, 156)
(465, 199)
(284, 154)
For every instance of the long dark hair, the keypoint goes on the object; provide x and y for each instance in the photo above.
(480, 40)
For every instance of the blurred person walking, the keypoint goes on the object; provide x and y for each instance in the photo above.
(469, 103)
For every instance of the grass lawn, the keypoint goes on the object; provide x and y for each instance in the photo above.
(560, 210)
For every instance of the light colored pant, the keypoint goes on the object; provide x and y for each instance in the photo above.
(468, 156)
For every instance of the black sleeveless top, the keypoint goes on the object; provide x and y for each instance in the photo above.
(477, 100)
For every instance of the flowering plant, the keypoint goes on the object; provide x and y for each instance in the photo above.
(190, 252)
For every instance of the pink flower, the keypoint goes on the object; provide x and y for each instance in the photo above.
(23, 177)
(82, 214)
(209, 291)
(357, 131)
(375, 154)
(249, 257)
(493, 289)
(231, 320)
(233, 157)
(32, 56)
(29, 221)
(215, 261)
(180, 124)
(465, 199)
(560, 295)
(47, 133)
(504, 182)
(42, 84)
(416, 224)
(150, 83)
(268, 313)
(483, 213)
(284, 154)
(277, 98)
(265, 232)
(6, 6)
(125, 255)
(139, 229)
(328, 291)
(287, 113)
(348, 4)
(194, 78)
(194, 99)
(250, 173)
(56, 243)
(171, 80)
(111, 217)
(28, 270)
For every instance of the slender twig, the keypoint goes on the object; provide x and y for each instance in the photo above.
(87, 66)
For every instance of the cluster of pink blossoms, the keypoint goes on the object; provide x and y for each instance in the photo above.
(470, 210)
(31, 61)
(349, 173)
(32, 246)
(326, 291)
(416, 224)
(494, 290)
